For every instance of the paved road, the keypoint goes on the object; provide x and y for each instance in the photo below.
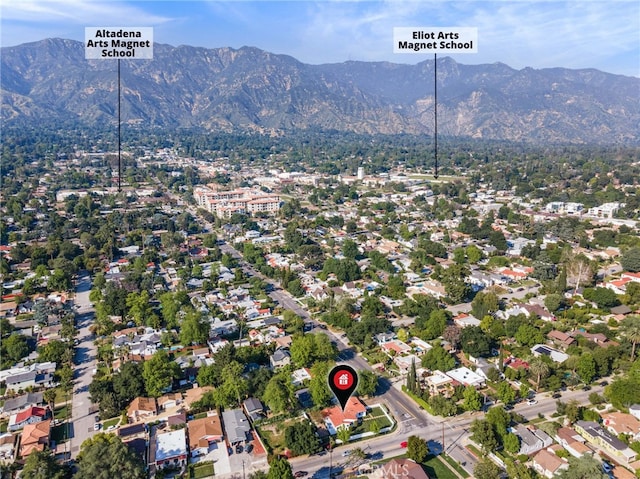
(85, 360)
(455, 432)
(408, 413)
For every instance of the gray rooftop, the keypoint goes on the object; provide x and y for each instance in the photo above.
(236, 425)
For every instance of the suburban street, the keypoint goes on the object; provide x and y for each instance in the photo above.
(85, 360)
(412, 420)
(455, 431)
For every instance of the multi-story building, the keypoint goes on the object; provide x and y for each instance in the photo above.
(242, 200)
(596, 434)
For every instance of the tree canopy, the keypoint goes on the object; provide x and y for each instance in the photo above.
(105, 456)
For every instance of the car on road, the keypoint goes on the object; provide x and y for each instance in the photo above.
(403, 444)
(556, 395)
(604, 383)
(300, 474)
(346, 453)
(531, 402)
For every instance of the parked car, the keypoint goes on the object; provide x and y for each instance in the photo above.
(96, 426)
(238, 448)
(249, 448)
(300, 474)
(346, 453)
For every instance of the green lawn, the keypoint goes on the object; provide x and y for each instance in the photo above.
(111, 422)
(435, 468)
(3, 426)
(375, 414)
(454, 464)
(201, 471)
(63, 412)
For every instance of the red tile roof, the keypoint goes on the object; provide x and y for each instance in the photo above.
(32, 411)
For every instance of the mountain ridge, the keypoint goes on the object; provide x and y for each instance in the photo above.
(252, 90)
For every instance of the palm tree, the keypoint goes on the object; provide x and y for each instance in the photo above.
(630, 328)
(540, 369)
(50, 397)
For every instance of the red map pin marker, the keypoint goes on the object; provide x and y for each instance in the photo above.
(343, 381)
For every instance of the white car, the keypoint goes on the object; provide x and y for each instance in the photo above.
(531, 402)
(97, 426)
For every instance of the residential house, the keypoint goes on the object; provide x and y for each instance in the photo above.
(516, 363)
(420, 347)
(597, 338)
(134, 430)
(30, 415)
(383, 338)
(7, 443)
(634, 410)
(532, 439)
(573, 442)
(548, 463)
(483, 367)
(142, 408)
(621, 423)
(236, 426)
(35, 437)
(171, 449)
(254, 408)
(29, 379)
(554, 354)
(169, 401)
(395, 347)
(596, 434)
(299, 376)
(335, 417)
(281, 357)
(540, 311)
(404, 362)
(464, 320)
(195, 394)
(177, 420)
(203, 433)
(439, 384)
(560, 339)
(466, 377)
(622, 473)
(19, 403)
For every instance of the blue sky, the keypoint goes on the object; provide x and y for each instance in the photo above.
(602, 34)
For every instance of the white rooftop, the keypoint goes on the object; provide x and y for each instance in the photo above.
(466, 376)
(171, 444)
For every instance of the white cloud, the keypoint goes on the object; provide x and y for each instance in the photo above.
(77, 11)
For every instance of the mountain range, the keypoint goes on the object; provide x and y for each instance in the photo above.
(251, 90)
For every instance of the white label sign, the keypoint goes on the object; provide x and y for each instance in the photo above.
(435, 40)
(118, 42)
